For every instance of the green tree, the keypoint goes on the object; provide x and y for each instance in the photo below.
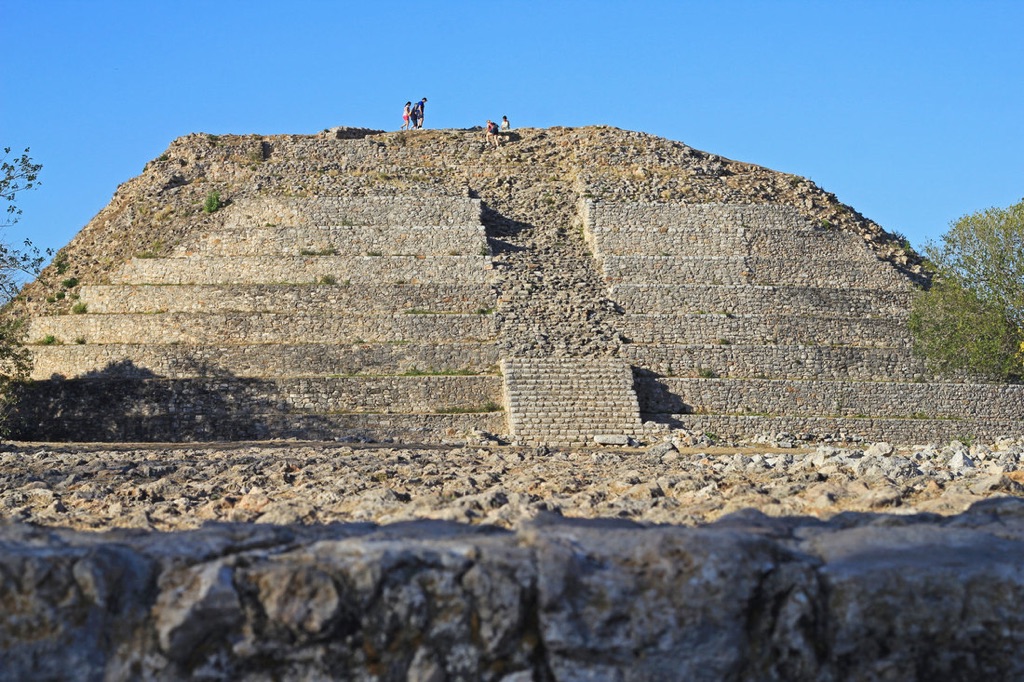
(972, 317)
(17, 175)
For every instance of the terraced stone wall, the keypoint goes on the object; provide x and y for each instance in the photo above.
(375, 298)
(835, 398)
(257, 328)
(324, 359)
(744, 319)
(358, 315)
(760, 300)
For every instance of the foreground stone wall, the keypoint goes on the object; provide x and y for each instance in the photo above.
(863, 597)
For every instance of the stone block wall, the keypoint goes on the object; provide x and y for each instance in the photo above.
(870, 429)
(743, 319)
(261, 328)
(357, 240)
(569, 400)
(178, 361)
(228, 336)
(747, 270)
(761, 300)
(842, 363)
(341, 211)
(323, 299)
(304, 270)
(815, 397)
(786, 330)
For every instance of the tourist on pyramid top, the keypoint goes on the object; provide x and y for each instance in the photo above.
(418, 112)
(505, 125)
(492, 133)
(406, 113)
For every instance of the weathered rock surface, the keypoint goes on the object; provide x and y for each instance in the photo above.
(182, 487)
(356, 569)
(861, 597)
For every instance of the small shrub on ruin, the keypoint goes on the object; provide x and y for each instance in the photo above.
(213, 202)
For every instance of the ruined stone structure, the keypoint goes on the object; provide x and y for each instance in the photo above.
(748, 599)
(418, 286)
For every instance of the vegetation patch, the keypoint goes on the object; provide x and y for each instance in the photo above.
(490, 406)
(971, 319)
(213, 202)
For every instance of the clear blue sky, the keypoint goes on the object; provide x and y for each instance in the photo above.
(911, 112)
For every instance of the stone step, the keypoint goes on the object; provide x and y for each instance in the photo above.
(279, 298)
(354, 211)
(359, 240)
(1000, 402)
(747, 241)
(305, 269)
(870, 429)
(771, 329)
(734, 270)
(838, 363)
(181, 361)
(256, 328)
(566, 400)
(762, 300)
(223, 395)
(599, 215)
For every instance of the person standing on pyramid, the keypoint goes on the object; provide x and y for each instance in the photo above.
(406, 113)
(419, 107)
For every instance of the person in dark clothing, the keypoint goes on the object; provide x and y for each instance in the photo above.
(418, 109)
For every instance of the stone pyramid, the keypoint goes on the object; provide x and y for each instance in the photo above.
(420, 286)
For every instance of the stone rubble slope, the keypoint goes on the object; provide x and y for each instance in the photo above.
(170, 488)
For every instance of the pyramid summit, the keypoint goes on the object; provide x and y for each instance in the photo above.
(423, 285)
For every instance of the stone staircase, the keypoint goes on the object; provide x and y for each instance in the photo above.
(308, 318)
(569, 401)
(747, 319)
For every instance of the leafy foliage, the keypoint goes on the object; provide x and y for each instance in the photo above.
(17, 175)
(213, 202)
(972, 317)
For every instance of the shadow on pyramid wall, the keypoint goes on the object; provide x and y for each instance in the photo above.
(125, 402)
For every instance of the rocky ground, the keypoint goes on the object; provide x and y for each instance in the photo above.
(174, 487)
